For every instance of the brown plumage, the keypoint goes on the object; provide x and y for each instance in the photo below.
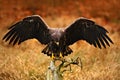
(57, 40)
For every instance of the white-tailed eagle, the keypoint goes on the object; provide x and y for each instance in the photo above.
(57, 39)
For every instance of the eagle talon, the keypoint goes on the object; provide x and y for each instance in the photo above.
(53, 57)
(61, 56)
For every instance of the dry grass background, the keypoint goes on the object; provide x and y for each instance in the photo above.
(26, 62)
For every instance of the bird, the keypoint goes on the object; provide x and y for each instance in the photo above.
(57, 40)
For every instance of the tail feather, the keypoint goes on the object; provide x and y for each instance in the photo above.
(54, 49)
(67, 51)
(50, 49)
(47, 51)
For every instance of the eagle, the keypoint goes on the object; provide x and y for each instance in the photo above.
(57, 40)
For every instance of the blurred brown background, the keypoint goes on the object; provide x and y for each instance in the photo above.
(25, 62)
(106, 10)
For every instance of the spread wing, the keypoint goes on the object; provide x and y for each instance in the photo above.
(28, 28)
(84, 29)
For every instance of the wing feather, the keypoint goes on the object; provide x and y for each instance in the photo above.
(28, 28)
(88, 30)
(102, 42)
